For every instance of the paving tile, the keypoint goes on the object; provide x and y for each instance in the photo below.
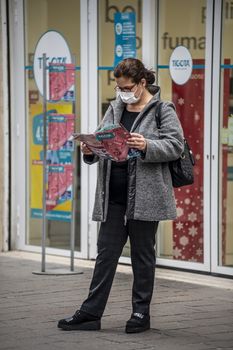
(183, 316)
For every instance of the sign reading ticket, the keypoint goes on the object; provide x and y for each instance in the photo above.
(125, 36)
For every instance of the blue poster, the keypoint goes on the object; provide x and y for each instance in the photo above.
(125, 36)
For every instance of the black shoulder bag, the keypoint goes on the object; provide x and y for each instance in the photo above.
(182, 168)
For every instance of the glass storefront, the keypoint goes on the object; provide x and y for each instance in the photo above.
(40, 17)
(182, 239)
(201, 238)
(225, 247)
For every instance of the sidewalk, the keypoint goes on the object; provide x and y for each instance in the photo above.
(184, 315)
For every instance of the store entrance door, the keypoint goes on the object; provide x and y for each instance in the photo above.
(185, 242)
(166, 25)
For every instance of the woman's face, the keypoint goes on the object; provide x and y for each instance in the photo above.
(125, 84)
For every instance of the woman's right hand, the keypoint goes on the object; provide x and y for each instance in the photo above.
(85, 150)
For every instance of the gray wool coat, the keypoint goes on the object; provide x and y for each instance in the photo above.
(150, 192)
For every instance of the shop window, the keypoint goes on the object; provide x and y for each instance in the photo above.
(183, 23)
(64, 17)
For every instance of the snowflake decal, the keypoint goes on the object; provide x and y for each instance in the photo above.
(192, 216)
(184, 240)
(176, 252)
(193, 231)
(179, 225)
(180, 212)
(181, 101)
(192, 259)
(199, 252)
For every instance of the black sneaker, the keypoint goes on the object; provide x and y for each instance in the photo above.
(80, 321)
(137, 323)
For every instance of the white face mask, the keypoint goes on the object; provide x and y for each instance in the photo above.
(128, 97)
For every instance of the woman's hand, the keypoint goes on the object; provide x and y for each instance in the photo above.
(85, 150)
(137, 141)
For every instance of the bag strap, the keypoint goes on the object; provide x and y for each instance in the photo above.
(158, 113)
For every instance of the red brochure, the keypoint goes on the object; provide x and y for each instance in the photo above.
(109, 142)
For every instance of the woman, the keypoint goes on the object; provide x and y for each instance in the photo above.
(131, 196)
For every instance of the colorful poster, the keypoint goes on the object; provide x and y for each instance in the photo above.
(60, 128)
(188, 227)
(59, 187)
(61, 82)
(59, 160)
(125, 36)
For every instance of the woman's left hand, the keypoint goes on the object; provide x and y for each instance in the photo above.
(137, 141)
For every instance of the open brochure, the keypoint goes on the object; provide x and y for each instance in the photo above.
(109, 142)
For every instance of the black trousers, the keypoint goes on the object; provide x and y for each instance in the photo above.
(113, 235)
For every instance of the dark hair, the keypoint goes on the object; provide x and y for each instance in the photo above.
(134, 69)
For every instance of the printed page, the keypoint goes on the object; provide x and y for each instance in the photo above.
(109, 142)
